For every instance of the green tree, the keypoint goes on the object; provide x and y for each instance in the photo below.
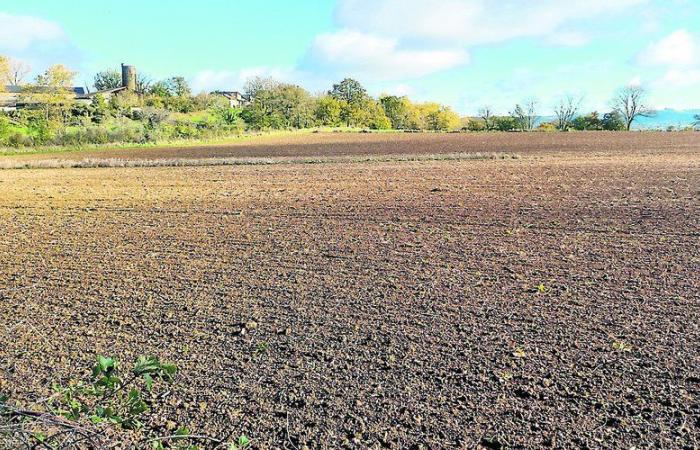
(590, 122)
(697, 121)
(614, 121)
(107, 79)
(327, 111)
(472, 124)
(160, 89)
(280, 105)
(505, 123)
(179, 87)
(349, 91)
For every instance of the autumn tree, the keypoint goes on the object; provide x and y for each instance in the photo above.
(401, 112)
(53, 92)
(327, 111)
(12, 71)
(438, 117)
(631, 103)
(4, 72)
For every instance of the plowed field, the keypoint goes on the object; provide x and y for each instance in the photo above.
(546, 301)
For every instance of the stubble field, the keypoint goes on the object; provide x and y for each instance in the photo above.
(547, 301)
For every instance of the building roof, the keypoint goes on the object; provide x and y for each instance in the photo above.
(78, 91)
(102, 92)
(232, 94)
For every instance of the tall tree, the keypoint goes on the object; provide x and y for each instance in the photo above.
(350, 91)
(565, 111)
(107, 79)
(631, 103)
(697, 120)
(179, 87)
(526, 116)
(486, 114)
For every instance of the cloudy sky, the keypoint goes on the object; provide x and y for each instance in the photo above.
(466, 53)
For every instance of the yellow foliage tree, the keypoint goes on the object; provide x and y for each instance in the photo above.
(437, 117)
(4, 72)
(53, 92)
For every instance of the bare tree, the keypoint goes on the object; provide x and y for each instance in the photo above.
(531, 113)
(13, 71)
(487, 115)
(566, 111)
(526, 115)
(631, 103)
(18, 72)
(143, 84)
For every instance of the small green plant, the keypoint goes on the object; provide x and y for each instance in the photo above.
(262, 348)
(90, 413)
(541, 288)
(622, 346)
(242, 443)
(111, 395)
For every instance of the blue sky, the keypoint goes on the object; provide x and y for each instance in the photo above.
(466, 53)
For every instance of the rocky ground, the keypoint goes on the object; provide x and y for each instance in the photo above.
(548, 301)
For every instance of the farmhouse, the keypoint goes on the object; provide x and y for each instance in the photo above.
(235, 98)
(14, 97)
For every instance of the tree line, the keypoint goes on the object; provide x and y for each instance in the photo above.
(168, 110)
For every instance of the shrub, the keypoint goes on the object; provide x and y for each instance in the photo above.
(18, 139)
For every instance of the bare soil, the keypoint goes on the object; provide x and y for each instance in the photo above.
(548, 301)
(306, 145)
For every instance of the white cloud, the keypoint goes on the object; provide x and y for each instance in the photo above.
(679, 49)
(680, 78)
(380, 58)
(227, 80)
(18, 33)
(473, 22)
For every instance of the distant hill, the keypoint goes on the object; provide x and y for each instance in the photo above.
(668, 118)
